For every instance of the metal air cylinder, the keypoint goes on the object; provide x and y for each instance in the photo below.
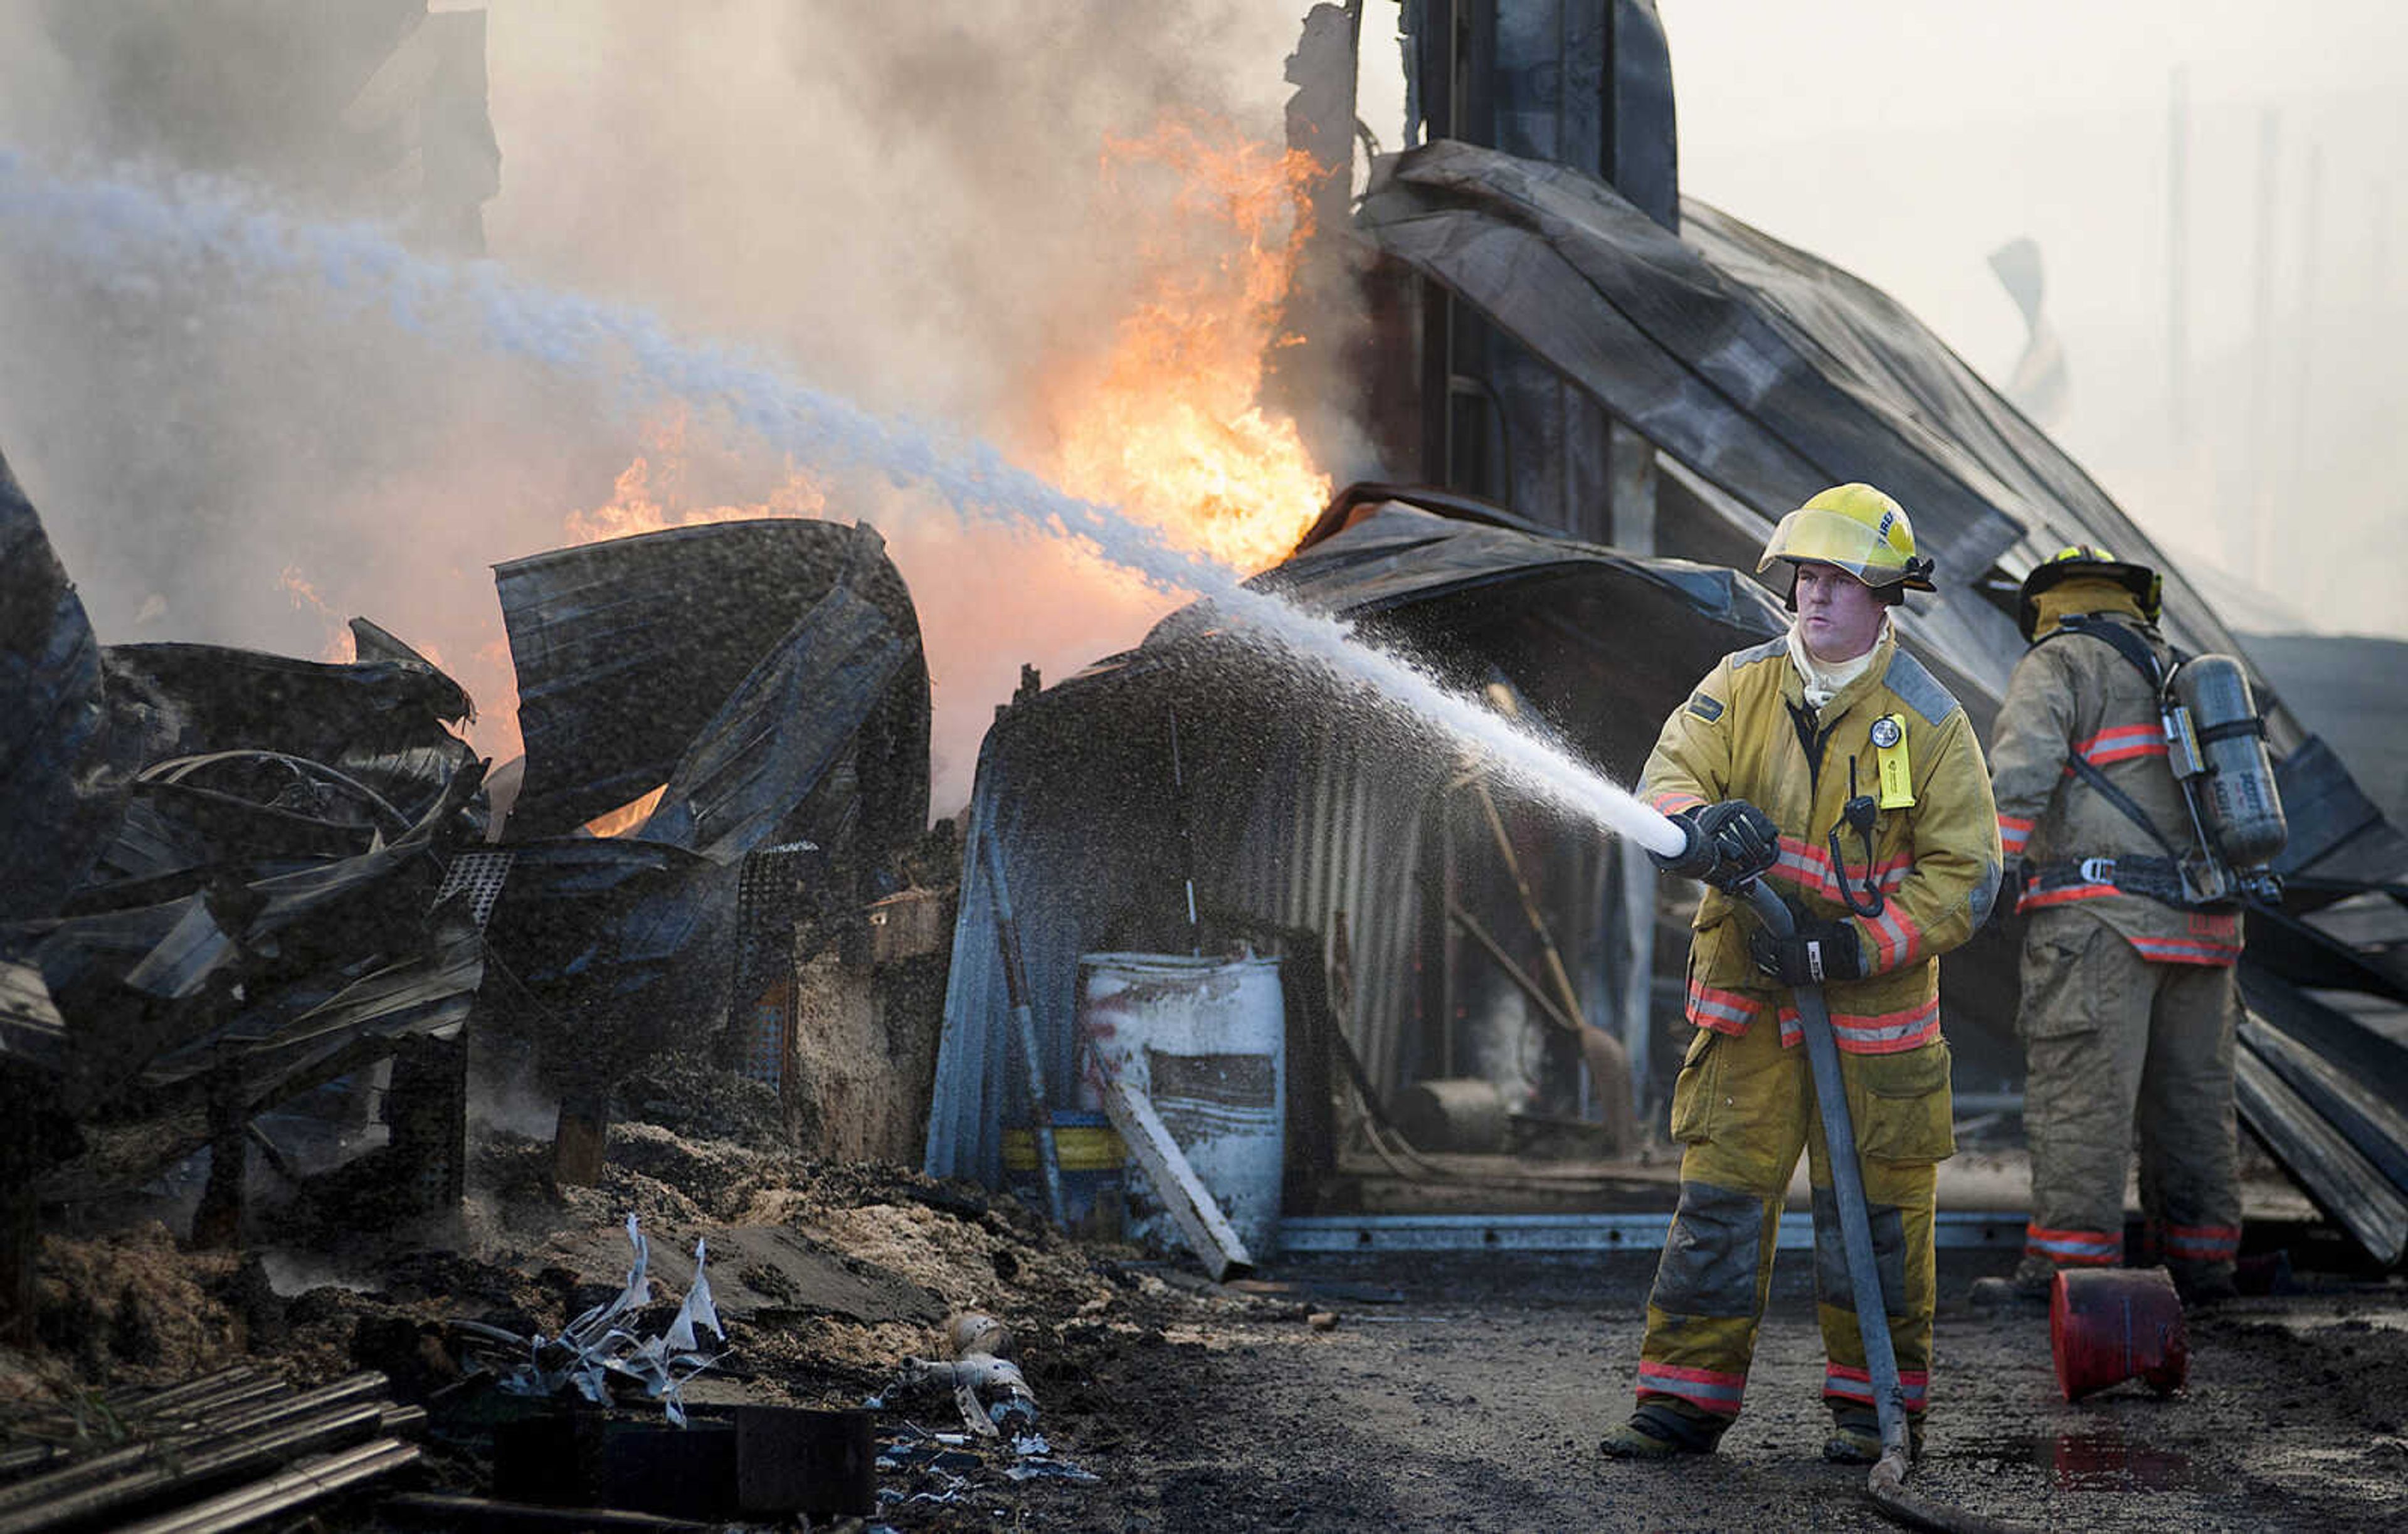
(2236, 798)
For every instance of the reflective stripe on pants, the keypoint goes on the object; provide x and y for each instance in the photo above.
(1745, 1109)
(2114, 1043)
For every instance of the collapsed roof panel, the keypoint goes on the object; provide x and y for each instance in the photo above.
(221, 968)
(371, 732)
(781, 728)
(628, 650)
(1766, 372)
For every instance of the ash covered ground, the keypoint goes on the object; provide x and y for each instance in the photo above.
(1389, 1394)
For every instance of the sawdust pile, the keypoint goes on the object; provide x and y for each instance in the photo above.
(859, 1261)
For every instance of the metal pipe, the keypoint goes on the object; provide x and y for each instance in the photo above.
(172, 1466)
(303, 1484)
(202, 1388)
(350, 1388)
(183, 1430)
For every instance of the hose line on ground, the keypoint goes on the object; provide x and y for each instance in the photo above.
(1886, 1483)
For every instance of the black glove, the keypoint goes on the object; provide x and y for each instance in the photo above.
(1818, 953)
(1729, 844)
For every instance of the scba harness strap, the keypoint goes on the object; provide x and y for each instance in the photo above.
(2158, 879)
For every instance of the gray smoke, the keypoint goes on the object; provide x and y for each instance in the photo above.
(902, 205)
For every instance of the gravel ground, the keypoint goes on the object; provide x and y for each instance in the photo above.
(1473, 1401)
(1477, 1403)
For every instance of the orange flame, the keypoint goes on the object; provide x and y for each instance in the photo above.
(636, 505)
(1169, 425)
(619, 822)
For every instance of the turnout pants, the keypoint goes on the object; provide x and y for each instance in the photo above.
(1745, 1107)
(2113, 1042)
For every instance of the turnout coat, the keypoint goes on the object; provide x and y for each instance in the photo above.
(1746, 732)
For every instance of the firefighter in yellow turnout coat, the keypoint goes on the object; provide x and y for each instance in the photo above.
(1836, 764)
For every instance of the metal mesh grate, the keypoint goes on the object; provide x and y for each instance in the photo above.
(481, 876)
(770, 904)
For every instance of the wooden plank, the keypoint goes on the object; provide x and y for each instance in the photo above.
(1192, 1207)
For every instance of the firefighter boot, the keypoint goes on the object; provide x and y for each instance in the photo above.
(1856, 1437)
(1660, 1429)
(2029, 1288)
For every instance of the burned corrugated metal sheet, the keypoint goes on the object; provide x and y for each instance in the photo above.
(2353, 690)
(59, 793)
(625, 946)
(1302, 809)
(31, 1033)
(2323, 1091)
(783, 727)
(627, 650)
(256, 945)
(361, 742)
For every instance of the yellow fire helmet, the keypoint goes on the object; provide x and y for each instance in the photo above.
(1860, 530)
(2080, 559)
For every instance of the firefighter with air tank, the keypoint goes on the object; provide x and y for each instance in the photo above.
(2133, 785)
(1831, 763)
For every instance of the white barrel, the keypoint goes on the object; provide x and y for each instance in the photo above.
(1206, 1041)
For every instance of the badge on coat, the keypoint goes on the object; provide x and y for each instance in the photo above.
(1896, 773)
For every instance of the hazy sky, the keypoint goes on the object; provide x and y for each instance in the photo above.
(1906, 139)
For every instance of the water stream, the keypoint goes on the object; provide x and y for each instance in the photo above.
(120, 229)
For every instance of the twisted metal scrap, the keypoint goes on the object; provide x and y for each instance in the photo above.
(594, 1352)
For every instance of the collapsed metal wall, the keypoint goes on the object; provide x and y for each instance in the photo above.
(1316, 850)
(1079, 798)
(1301, 808)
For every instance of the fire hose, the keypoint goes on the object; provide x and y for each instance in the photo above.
(1886, 1483)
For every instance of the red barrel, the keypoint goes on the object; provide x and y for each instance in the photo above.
(2109, 1325)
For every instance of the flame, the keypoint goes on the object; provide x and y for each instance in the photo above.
(637, 504)
(1168, 424)
(612, 822)
(1165, 420)
(491, 678)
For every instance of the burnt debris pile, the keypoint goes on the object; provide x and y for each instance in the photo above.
(269, 908)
